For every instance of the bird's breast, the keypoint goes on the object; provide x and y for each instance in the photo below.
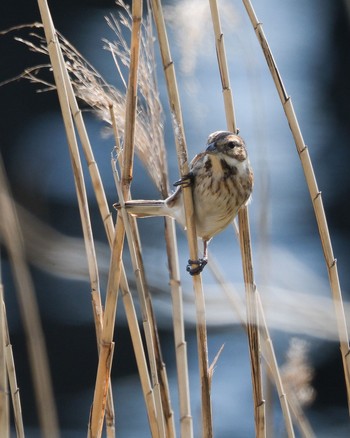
(219, 190)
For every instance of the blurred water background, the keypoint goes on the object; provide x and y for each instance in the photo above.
(310, 43)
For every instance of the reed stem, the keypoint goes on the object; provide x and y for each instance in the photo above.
(315, 194)
(180, 142)
(244, 235)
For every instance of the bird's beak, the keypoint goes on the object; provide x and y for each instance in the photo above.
(211, 148)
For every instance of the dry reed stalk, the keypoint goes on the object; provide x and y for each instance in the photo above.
(4, 393)
(107, 220)
(147, 321)
(12, 237)
(90, 87)
(105, 360)
(252, 323)
(64, 90)
(148, 90)
(244, 235)
(158, 370)
(186, 423)
(158, 373)
(315, 194)
(106, 217)
(130, 117)
(11, 372)
(180, 141)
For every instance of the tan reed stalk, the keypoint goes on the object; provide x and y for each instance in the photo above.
(11, 372)
(159, 373)
(62, 81)
(4, 393)
(186, 423)
(252, 323)
(133, 325)
(158, 369)
(315, 194)
(11, 232)
(246, 252)
(106, 217)
(142, 296)
(115, 270)
(107, 220)
(161, 180)
(180, 141)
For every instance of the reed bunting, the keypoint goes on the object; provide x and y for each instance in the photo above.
(222, 181)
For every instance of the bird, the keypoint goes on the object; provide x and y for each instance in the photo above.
(221, 179)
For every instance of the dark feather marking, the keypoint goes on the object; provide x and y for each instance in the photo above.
(228, 170)
(208, 165)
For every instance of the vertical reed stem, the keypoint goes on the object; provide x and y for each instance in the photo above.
(244, 235)
(180, 141)
(315, 194)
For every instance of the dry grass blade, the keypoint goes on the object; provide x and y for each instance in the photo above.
(314, 193)
(180, 141)
(244, 235)
(11, 232)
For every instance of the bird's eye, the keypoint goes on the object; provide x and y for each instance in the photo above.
(231, 144)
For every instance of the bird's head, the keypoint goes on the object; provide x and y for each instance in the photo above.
(227, 144)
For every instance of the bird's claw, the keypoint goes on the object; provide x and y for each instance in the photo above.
(185, 181)
(200, 263)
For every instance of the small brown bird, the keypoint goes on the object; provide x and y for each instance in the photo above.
(222, 181)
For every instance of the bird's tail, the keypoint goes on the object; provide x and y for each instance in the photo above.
(146, 208)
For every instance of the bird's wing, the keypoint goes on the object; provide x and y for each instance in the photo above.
(196, 160)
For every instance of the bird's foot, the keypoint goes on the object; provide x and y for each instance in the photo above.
(199, 266)
(185, 181)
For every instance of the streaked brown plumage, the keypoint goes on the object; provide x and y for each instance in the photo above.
(222, 181)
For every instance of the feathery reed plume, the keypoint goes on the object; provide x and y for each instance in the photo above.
(94, 91)
(297, 375)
